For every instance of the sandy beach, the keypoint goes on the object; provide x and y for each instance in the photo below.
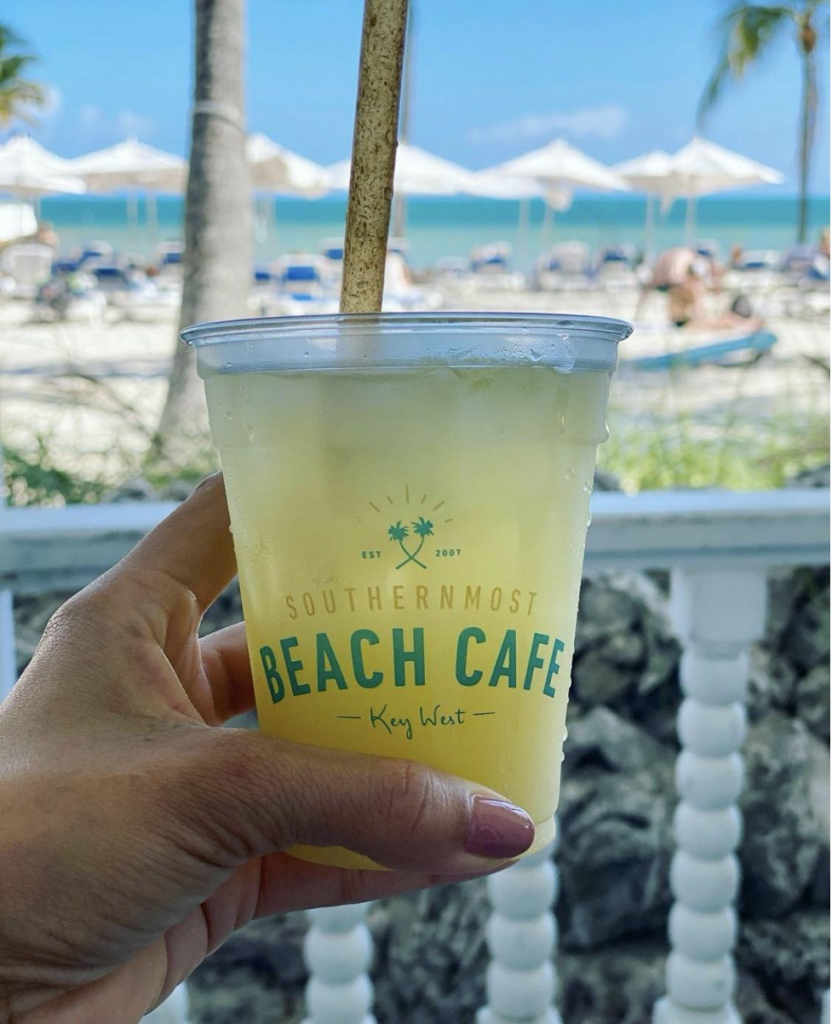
(91, 392)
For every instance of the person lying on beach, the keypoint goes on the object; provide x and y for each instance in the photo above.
(672, 269)
(686, 307)
(137, 835)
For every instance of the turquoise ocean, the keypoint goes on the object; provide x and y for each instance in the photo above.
(438, 227)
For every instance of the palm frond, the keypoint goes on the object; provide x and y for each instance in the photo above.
(18, 95)
(8, 36)
(713, 88)
(11, 67)
(19, 100)
(748, 30)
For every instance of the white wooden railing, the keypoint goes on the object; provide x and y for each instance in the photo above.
(719, 548)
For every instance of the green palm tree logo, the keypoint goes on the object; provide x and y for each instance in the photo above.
(398, 533)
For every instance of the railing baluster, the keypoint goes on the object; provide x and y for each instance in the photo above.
(338, 950)
(718, 613)
(8, 666)
(174, 1010)
(522, 934)
(8, 660)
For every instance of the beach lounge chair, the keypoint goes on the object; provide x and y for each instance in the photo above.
(812, 291)
(398, 245)
(796, 260)
(263, 276)
(301, 276)
(333, 249)
(166, 268)
(262, 290)
(171, 258)
(724, 352)
(491, 259)
(802, 283)
(97, 250)
(615, 268)
(72, 296)
(110, 277)
(616, 255)
(754, 273)
(563, 266)
(707, 247)
(147, 299)
(27, 266)
(452, 269)
(64, 265)
(332, 253)
(88, 255)
(300, 285)
(490, 269)
(130, 293)
(755, 260)
(400, 294)
(18, 221)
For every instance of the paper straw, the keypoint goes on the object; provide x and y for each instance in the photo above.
(373, 155)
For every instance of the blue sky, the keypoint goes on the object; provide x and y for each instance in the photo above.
(491, 79)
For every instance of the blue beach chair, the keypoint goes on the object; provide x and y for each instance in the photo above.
(715, 353)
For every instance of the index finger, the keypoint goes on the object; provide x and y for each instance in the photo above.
(193, 546)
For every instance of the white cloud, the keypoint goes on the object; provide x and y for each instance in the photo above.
(38, 113)
(100, 128)
(52, 102)
(604, 122)
(90, 117)
(133, 125)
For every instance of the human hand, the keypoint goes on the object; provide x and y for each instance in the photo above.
(135, 836)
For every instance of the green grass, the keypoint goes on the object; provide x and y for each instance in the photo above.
(645, 453)
(738, 455)
(33, 478)
(36, 477)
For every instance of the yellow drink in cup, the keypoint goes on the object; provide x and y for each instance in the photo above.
(409, 496)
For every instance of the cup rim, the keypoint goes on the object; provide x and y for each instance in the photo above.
(222, 331)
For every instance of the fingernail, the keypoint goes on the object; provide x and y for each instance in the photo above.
(498, 829)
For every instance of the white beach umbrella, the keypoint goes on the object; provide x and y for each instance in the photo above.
(131, 165)
(648, 172)
(29, 170)
(560, 168)
(702, 167)
(419, 173)
(273, 168)
(502, 186)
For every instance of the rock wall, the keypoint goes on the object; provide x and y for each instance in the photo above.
(616, 810)
(615, 818)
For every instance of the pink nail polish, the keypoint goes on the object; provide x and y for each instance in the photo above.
(498, 829)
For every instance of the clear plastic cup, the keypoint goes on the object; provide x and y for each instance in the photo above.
(409, 496)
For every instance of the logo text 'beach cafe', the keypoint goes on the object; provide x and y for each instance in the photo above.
(401, 658)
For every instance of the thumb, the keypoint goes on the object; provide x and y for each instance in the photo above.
(256, 795)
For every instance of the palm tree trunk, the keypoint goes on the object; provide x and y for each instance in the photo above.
(809, 100)
(217, 259)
